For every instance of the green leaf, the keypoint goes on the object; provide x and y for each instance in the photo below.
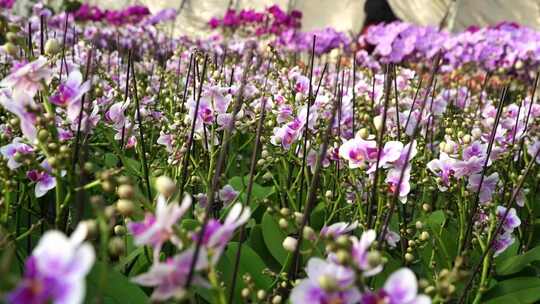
(517, 290)
(249, 262)
(256, 242)
(106, 285)
(258, 192)
(518, 262)
(132, 166)
(110, 160)
(273, 238)
(317, 216)
(436, 222)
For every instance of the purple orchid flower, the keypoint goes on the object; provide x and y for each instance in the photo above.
(360, 250)
(156, 229)
(165, 140)
(326, 283)
(227, 194)
(169, 277)
(217, 235)
(502, 242)
(28, 78)
(358, 151)
(20, 103)
(56, 270)
(70, 93)
(511, 221)
(9, 151)
(337, 229)
(400, 288)
(489, 185)
(444, 168)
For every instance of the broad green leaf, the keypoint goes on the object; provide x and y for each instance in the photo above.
(106, 285)
(273, 238)
(520, 290)
(110, 160)
(250, 263)
(256, 242)
(317, 216)
(518, 262)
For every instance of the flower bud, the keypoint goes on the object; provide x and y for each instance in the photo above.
(424, 236)
(52, 47)
(10, 48)
(12, 37)
(298, 217)
(283, 223)
(290, 243)
(119, 230)
(261, 294)
(43, 135)
(449, 148)
(277, 299)
(363, 133)
(309, 233)
(409, 257)
(328, 283)
(125, 191)
(419, 225)
(245, 292)
(165, 186)
(343, 257)
(476, 133)
(116, 247)
(374, 259)
(466, 139)
(377, 121)
(328, 194)
(125, 207)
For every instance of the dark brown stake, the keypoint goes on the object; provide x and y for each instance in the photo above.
(217, 173)
(306, 133)
(468, 232)
(312, 195)
(417, 128)
(141, 133)
(126, 95)
(63, 59)
(81, 112)
(193, 124)
(508, 205)
(249, 190)
(387, 88)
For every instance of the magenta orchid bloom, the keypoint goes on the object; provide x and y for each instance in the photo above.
(358, 151)
(227, 194)
(444, 168)
(9, 151)
(326, 283)
(169, 277)
(28, 78)
(338, 229)
(489, 185)
(165, 140)
(360, 250)
(400, 288)
(156, 229)
(70, 93)
(217, 234)
(20, 103)
(56, 270)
